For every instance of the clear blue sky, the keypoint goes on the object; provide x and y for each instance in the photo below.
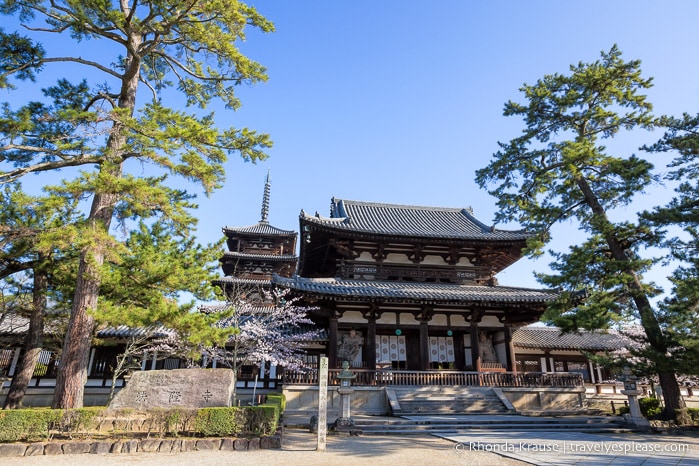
(400, 101)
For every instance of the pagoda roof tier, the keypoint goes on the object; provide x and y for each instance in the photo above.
(260, 257)
(241, 281)
(393, 220)
(260, 228)
(334, 288)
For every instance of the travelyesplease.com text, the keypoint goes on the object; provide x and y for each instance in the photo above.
(574, 447)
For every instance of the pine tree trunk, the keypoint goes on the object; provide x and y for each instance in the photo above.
(72, 369)
(649, 322)
(33, 344)
(671, 394)
(72, 374)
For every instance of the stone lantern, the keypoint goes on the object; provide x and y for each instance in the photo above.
(344, 422)
(631, 390)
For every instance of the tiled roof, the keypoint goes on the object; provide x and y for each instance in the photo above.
(415, 291)
(241, 281)
(410, 221)
(123, 331)
(553, 338)
(261, 257)
(15, 324)
(260, 228)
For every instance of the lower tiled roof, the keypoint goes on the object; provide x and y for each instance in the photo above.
(415, 291)
(553, 338)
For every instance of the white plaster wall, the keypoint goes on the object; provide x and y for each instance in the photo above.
(387, 318)
(490, 321)
(434, 260)
(408, 319)
(352, 317)
(458, 320)
(365, 257)
(439, 319)
(394, 258)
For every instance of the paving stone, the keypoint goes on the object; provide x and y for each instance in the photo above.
(254, 444)
(12, 449)
(130, 446)
(75, 448)
(209, 444)
(166, 445)
(35, 449)
(275, 441)
(228, 444)
(116, 447)
(53, 448)
(188, 445)
(101, 447)
(241, 444)
(149, 445)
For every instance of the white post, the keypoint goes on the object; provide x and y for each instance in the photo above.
(322, 404)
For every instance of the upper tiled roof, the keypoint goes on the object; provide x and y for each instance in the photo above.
(415, 291)
(410, 221)
(260, 228)
(553, 338)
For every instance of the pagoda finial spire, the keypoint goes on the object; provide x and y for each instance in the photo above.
(265, 200)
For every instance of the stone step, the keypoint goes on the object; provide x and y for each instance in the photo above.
(509, 423)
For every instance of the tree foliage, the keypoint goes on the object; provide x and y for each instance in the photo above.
(680, 310)
(559, 170)
(268, 327)
(165, 53)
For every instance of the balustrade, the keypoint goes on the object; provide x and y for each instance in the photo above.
(366, 377)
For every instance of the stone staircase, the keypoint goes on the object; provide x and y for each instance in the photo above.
(447, 400)
(461, 424)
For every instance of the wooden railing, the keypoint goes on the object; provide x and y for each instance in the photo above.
(365, 377)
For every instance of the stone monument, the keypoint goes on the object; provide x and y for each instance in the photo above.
(187, 388)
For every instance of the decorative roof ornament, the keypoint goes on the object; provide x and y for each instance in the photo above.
(265, 200)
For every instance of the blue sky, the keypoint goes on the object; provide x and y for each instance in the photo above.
(401, 101)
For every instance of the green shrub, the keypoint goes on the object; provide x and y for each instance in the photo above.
(262, 419)
(650, 407)
(278, 399)
(80, 420)
(17, 425)
(688, 416)
(34, 424)
(217, 422)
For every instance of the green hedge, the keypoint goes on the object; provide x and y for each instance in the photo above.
(18, 425)
(688, 416)
(28, 424)
(650, 407)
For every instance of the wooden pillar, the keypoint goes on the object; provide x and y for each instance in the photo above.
(459, 356)
(332, 341)
(475, 350)
(424, 317)
(510, 350)
(369, 352)
(424, 345)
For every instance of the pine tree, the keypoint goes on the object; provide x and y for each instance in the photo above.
(558, 170)
(153, 51)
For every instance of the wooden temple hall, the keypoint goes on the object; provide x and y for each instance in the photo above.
(394, 286)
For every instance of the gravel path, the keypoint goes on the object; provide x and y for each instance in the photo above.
(298, 448)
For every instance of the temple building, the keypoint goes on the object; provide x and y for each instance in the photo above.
(414, 288)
